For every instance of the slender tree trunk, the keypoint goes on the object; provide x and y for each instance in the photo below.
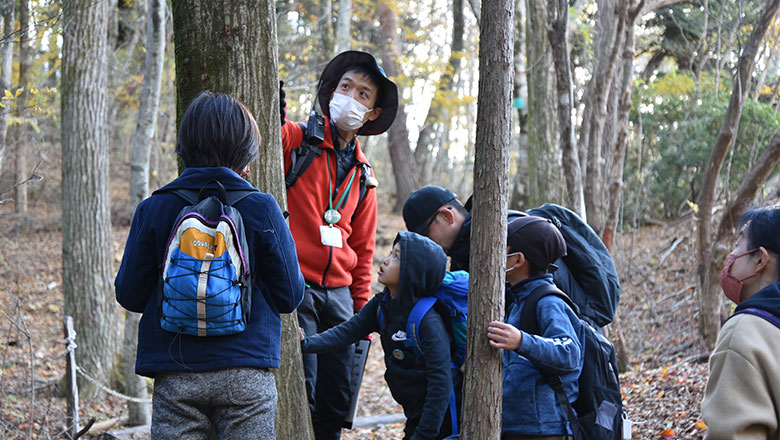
(230, 46)
(482, 390)
(558, 19)
(139, 413)
(706, 249)
(401, 157)
(86, 220)
(545, 181)
(6, 68)
(594, 181)
(438, 114)
(25, 59)
(326, 28)
(343, 26)
(520, 91)
(624, 109)
(771, 58)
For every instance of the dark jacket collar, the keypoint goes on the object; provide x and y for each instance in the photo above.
(767, 299)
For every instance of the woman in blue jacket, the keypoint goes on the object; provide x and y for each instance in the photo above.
(415, 268)
(205, 383)
(530, 409)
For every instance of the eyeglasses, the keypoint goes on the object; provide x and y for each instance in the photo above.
(430, 222)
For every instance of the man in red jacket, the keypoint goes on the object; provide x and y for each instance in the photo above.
(333, 216)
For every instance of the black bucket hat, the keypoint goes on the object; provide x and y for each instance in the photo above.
(389, 92)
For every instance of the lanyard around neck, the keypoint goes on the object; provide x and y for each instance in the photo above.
(332, 216)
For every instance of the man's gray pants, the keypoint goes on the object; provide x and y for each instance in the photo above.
(235, 403)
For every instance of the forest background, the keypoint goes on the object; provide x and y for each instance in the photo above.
(651, 89)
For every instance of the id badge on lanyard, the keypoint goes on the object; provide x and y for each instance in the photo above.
(330, 236)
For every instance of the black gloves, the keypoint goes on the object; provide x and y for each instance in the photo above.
(282, 102)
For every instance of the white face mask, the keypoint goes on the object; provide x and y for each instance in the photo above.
(347, 113)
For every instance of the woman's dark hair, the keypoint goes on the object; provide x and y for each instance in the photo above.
(217, 130)
(762, 229)
(373, 77)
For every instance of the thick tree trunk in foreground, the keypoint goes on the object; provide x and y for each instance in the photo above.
(230, 46)
(86, 220)
(710, 300)
(482, 390)
(401, 157)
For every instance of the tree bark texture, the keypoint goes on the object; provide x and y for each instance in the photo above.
(709, 294)
(344, 26)
(621, 145)
(325, 25)
(230, 46)
(6, 67)
(139, 413)
(558, 19)
(520, 90)
(601, 84)
(86, 221)
(401, 157)
(25, 59)
(545, 177)
(437, 120)
(484, 369)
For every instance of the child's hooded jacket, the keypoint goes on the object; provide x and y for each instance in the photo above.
(423, 388)
(530, 407)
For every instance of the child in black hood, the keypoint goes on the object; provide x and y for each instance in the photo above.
(415, 267)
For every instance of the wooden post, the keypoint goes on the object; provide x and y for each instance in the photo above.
(72, 397)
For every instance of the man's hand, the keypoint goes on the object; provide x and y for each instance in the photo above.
(504, 336)
(282, 102)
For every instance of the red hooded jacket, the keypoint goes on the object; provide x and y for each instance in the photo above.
(307, 201)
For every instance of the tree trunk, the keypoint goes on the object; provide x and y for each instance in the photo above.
(343, 26)
(438, 114)
(482, 391)
(326, 28)
(86, 220)
(706, 249)
(558, 19)
(230, 46)
(619, 153)
(6, 68)
(601, 85)
(520, 92)
(401, 157)
(139, 413)
(545, 178)
(771, 61)
(25, 59)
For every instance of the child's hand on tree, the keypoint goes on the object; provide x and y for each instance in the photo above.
(303, 335)
(504, 336)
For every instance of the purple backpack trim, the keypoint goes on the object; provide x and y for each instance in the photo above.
(762, 313)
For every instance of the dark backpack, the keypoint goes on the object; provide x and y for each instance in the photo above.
(450, 301)
(599, 403)
(303, 156)
(206, 279)
(597, 289)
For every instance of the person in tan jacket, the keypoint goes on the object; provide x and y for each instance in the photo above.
(742, 398)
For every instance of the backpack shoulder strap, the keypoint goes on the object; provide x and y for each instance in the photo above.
(419, 310)
(528, 320)
(301, 158)
(234, 197)
(774, 319)
(189, 196)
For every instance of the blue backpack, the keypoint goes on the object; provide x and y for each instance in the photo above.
(451, 302)
(206, 283)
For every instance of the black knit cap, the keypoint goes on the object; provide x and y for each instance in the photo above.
(388, 101)
(422, 204)
(538, 239)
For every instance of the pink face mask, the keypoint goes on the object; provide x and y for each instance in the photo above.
(732, 286)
